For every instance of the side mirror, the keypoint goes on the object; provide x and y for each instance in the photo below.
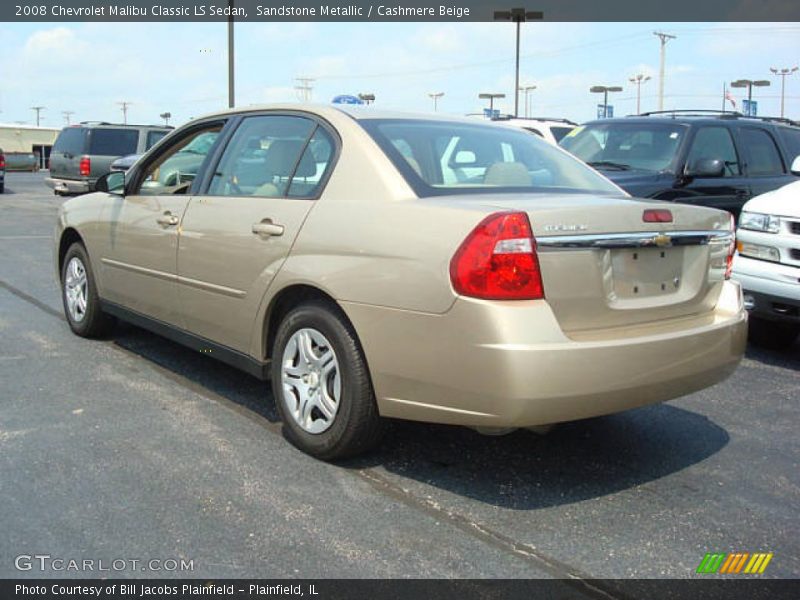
(705, 167)
(795, 168)
(111, 183)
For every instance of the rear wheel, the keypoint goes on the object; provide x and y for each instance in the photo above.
(321, 384)
(79, 295)
(773, 334)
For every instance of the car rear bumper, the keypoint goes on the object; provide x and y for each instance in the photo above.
(68, 186)
(772, 290)
(496, 364)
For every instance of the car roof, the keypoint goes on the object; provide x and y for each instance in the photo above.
(697, 119)
(355, 111)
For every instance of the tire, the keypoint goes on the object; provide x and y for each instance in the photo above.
(773, 334)
(80, 300)
(2, 187)
(331, 427)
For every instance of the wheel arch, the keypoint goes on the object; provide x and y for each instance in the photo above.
(284, 301)
(68, 237)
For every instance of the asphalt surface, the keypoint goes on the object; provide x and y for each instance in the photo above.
(136, 448)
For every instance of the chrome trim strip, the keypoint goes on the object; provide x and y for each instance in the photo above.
(212, 287)
(651, 239)
(141, 270)
(203, 285)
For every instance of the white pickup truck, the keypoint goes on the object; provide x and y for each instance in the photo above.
(767, 264)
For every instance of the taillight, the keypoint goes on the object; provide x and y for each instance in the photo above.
(657, 215)
(498, 260)
(731, 249)
(85, 166)
(2, 161)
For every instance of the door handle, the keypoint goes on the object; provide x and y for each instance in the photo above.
(167, 220)
(267, 228)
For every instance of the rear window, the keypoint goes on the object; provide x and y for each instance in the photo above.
(113, 142)
(443, 157)
(71, 140)
(153, 137)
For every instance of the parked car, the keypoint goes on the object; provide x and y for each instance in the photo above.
(2, 171)
(84, 152)
(336, 251)
(717, 160)
(551, 129)
(767, 264)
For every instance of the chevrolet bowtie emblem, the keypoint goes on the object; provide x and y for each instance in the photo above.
(662, 240)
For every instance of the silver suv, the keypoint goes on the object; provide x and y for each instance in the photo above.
(84, 152)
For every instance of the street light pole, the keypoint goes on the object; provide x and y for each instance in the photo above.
(664, 37)
(435, 96)
(603, 89)
(639, 79)
(750, 84)
(518, 16)
(783, 73)
(526, 89)
(490, 98)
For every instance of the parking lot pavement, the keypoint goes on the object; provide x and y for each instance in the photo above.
(135, 447)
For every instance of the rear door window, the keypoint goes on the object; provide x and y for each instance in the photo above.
(791, 139)
(71, 140)
(263, 156)
(113, 142)
(760, 152)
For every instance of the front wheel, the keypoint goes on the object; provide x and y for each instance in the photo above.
(79, 295)
(321, 384)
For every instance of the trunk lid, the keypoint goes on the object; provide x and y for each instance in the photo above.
(603, 266)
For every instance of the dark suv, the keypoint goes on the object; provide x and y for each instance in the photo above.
(2, 171)
(84, 152)
(695, 157)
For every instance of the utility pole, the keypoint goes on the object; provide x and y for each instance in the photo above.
(525, 89)
(638, 80)
(664, 37)
(38, 110)
(231, 95)
(518, 15)
(304, 87)
(782, 73)
(124, 107)
(67, 114)
(435, 96)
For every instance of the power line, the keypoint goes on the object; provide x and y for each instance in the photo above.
(67, 114)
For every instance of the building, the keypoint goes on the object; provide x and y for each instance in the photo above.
(27, 147)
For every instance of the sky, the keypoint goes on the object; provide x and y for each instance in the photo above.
(89, 68)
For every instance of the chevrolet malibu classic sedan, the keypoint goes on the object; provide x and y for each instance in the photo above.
(380, 265)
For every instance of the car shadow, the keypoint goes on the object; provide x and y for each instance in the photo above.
(523, 470)
(788, 358)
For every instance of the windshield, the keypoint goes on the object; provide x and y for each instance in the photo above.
(440, 157)
(622, 146)
(559, 132)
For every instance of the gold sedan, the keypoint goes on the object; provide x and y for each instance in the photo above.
(377, 265)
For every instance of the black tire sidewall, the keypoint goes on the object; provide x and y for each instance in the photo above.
(336, 441)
